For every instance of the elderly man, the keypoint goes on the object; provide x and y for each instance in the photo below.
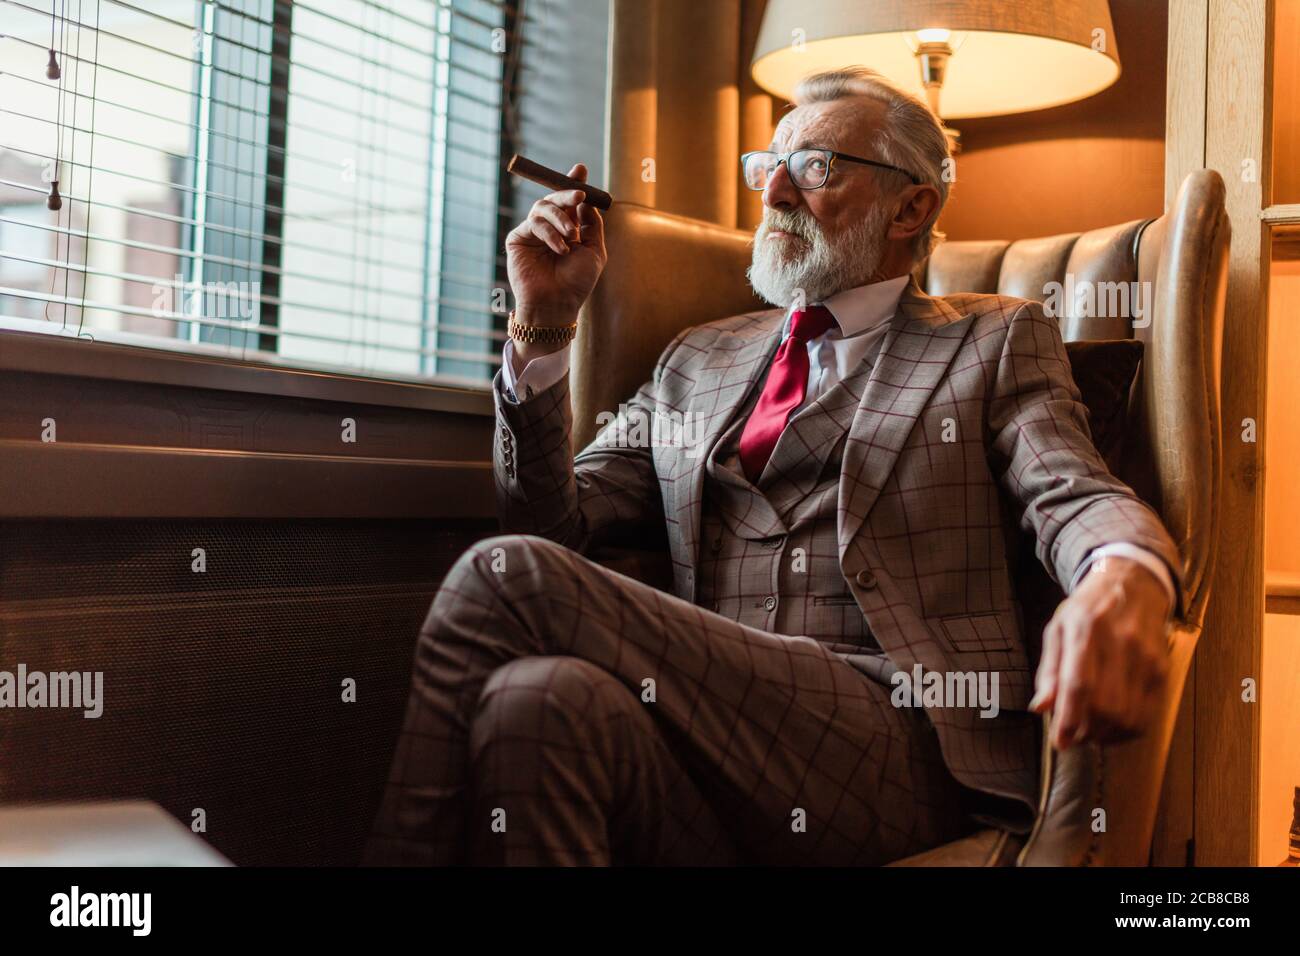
(865, 455)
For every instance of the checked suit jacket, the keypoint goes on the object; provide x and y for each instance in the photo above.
(970, 432)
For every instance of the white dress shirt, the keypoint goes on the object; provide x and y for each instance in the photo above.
(862, 317)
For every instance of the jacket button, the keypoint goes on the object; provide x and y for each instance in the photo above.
(769, 603)
(865, 578)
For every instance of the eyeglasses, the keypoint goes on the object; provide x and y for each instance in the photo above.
(808, 168)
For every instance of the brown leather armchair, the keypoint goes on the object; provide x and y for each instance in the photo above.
(666, 272)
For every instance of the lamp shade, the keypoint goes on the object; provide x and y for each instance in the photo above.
(1008, 56)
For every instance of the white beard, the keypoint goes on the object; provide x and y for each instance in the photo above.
(811, 268)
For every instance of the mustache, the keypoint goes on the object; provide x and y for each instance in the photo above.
(797, 224)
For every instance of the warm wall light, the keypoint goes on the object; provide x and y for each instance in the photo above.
(969, 57)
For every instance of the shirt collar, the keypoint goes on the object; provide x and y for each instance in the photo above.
(866, 306)
(863, 307)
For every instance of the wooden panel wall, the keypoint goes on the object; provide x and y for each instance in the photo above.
(1280, 717)
(1286, 102)
(1089, 164)
(1229, 125)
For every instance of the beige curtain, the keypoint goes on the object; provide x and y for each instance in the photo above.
(682, 106)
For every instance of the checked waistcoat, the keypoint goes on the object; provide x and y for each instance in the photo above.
(768, 553)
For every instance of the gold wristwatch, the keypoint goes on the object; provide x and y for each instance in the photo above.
(540, 333)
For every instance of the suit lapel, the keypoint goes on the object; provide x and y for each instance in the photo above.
(736, 363)
(922, 339)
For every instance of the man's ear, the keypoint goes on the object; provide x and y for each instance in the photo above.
(916, 207)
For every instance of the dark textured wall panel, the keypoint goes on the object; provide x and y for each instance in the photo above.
(223, 689)
(106, 411)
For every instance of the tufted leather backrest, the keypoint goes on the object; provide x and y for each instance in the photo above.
(665, 273)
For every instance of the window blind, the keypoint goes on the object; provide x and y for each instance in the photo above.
(557, 112)
(313, 183)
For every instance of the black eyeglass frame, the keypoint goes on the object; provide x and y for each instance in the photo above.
(834, 155)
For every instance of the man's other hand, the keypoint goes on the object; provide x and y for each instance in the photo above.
(1105, 656)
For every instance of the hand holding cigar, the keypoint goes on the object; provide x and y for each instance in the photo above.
(556, 255)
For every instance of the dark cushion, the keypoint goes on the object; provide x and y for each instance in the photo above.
(1104, 370)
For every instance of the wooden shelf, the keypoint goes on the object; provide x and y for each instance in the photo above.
(1282, 593)
(1286, 242)
(1283, 214)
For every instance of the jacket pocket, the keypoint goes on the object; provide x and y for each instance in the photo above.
(834, 600)
(979, 632)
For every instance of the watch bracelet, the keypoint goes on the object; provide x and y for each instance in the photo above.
(539, 333)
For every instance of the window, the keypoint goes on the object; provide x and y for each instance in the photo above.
(20, 228)
(316, 183)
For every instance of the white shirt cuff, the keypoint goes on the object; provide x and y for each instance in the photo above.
(537, 376)
(1141, 555)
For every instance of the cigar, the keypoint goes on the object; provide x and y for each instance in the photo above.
(545, 176)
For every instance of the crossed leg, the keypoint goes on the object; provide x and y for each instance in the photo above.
(563, 713)
(585, 773)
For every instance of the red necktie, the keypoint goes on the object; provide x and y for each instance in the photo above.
(783, 392)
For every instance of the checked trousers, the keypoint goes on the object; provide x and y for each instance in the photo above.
(561, 713)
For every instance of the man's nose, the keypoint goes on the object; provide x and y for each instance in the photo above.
(780, 192)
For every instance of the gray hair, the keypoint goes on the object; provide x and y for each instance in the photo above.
(912, 136)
